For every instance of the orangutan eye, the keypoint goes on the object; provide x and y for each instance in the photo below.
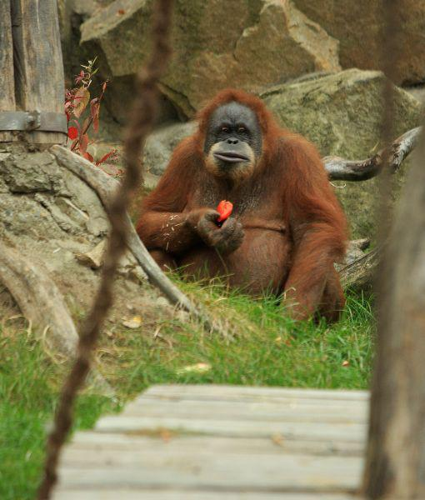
(225, 129)
(242, 130)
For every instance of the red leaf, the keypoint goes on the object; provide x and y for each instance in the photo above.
(88, 156)
(94, 111)
(86, 126)
(84, 142)
(72, 133)
(121, 12)
(224, 208)
(105, 157)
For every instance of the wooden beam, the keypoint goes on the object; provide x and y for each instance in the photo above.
(7, 87)
(39, 75)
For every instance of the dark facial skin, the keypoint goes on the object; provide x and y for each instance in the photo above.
(235, 133)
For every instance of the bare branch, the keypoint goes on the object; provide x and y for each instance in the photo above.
(340, 169)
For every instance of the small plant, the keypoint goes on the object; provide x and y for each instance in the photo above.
(82, 114)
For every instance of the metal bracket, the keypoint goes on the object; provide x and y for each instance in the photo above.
(28, 121)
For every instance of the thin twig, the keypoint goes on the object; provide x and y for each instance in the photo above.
(141, 122)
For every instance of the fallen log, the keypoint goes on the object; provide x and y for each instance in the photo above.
(360, 274)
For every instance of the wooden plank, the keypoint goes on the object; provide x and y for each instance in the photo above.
(39, 75)
(7, 86)
(287, 401)
(218, 410)
(101, 456)
(131, 494)
(289, 430)
(277, 400)
(227, 391)
(298, 473)
(212, 444)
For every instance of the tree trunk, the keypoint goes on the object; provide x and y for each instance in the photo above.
(395, 464)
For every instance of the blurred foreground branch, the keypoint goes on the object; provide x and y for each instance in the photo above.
(143, 116)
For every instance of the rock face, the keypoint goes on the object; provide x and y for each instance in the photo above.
(52, 216)
(358, 26)
(216, 44)
(340, 113)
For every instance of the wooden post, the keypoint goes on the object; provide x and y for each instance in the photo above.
(7, 87)
(395, 463)
(35, 82)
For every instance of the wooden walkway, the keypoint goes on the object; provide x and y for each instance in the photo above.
(221, 442)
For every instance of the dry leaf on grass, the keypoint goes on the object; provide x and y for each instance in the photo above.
(133, 323)
(198, 368)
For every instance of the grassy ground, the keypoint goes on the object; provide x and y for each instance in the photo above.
(264, 349)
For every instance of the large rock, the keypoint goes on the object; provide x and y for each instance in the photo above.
(160, 145)
(358, 26)
(246, 44)
(342, 115)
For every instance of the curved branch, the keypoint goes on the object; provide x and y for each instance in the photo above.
(39, 299)
(340, 169)
(105, 188)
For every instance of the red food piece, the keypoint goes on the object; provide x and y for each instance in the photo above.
(225, 209)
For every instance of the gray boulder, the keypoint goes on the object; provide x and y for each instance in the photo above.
(342, 115)
(160, 145)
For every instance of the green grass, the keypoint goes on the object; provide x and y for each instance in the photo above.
(264, 348)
